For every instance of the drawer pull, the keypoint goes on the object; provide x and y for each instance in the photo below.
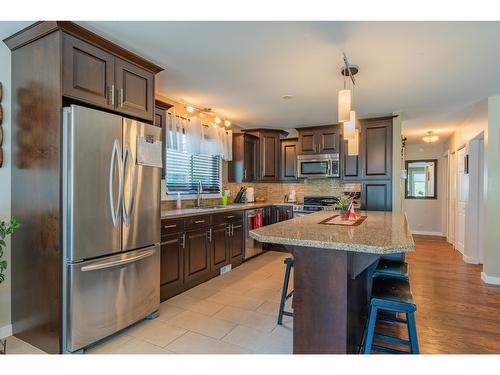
(170, 226)
(229, 217)
(199, 221)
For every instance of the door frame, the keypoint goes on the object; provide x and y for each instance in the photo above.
(452, 188)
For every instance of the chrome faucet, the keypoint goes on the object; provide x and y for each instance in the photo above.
(198, 196)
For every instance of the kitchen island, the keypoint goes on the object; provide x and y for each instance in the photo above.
(333, 265)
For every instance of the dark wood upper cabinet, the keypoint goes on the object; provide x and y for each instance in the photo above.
(160, 120)
(268, 153)
(135, 88)
(319, 140)
(351, 167)
(376, 149)
(88, 72)
(288, 159)
(244, 166)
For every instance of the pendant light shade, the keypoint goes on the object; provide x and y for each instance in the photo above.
(353, 144)
(344, 105)
(350, 126)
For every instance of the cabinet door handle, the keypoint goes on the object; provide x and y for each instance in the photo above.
(199, 221)
(183, 240)
(245, 174)
(170, 226)
(209, 234)
(112, 92)
(232, 230)
(121, 97)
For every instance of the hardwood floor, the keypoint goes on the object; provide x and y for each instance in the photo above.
(456, 311)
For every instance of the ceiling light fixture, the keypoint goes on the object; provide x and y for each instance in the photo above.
(227, 123)
(190, 109)
(350, 126)
(287, 97)
(217, 120)
(345, 95)
(430, 137)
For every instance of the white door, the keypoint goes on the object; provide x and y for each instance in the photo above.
(462, 198)
(452, 178)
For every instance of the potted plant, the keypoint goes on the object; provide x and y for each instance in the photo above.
(343, 206)
(6, 229)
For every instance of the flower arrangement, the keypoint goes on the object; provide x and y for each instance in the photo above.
(343, 205)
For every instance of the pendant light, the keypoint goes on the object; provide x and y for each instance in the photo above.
(350, 126)
(344, 105)
(430, 137)
(353, 144)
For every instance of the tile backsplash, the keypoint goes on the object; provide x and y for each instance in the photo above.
(275, 192)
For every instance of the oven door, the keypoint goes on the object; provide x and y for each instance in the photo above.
(314, 168)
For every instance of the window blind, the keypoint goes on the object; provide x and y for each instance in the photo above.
(184, 170)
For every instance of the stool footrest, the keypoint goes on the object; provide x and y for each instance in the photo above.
(392, 320)
(385, 349)
(395, 340)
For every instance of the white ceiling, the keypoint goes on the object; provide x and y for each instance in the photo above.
(429, 71)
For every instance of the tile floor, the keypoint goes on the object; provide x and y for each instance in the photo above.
(231, 314)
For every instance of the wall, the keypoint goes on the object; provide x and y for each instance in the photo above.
(491, 267)
(5, 189)
(397, 181)
(426, 215)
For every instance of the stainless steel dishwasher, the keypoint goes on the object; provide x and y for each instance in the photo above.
(251, 221)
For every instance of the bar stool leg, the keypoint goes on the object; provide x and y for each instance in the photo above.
(284, 293)
(412, 332)
(370, 330)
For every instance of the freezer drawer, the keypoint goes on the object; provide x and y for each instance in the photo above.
(108, 294)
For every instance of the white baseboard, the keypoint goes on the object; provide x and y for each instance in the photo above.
(6, 331)
(426, 233)
(490, 279)
(471, 260)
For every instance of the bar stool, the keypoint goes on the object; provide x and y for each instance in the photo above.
(391, 268)
(393, 295)
(284, 293)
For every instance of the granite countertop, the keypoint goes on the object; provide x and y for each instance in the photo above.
(379, 233)
(170, 214)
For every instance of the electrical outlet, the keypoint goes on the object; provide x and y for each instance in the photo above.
(226, 268)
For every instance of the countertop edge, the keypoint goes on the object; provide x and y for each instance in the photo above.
(248, 206)
(335, 245)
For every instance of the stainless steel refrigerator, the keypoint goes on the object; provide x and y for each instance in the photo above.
(111, 226)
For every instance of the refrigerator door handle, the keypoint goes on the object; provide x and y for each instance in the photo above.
(127, 209)
(115, 156)
(102, 265)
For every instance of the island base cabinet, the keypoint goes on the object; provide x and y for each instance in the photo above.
(330, 304)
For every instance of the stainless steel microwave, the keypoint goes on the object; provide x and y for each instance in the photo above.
(318, 166)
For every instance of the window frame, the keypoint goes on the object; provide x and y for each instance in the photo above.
(435, 161)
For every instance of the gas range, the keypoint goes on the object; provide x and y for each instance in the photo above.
(314, 204)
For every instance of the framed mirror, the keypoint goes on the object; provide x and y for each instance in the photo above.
(421, 179)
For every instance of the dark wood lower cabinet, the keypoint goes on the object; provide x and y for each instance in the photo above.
(220, 246)
(236, 244)
(376, 195)
(197, 256)
(194, 254)
(172, 265)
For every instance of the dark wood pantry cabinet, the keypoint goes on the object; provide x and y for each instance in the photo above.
(161, 121)
(245, 163)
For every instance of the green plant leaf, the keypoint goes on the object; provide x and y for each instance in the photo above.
(2, 277)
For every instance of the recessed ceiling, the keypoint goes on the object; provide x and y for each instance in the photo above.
(426, 70)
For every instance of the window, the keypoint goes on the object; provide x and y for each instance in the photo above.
(184, 170)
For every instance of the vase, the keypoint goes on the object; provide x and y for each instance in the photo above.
(344, 215)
